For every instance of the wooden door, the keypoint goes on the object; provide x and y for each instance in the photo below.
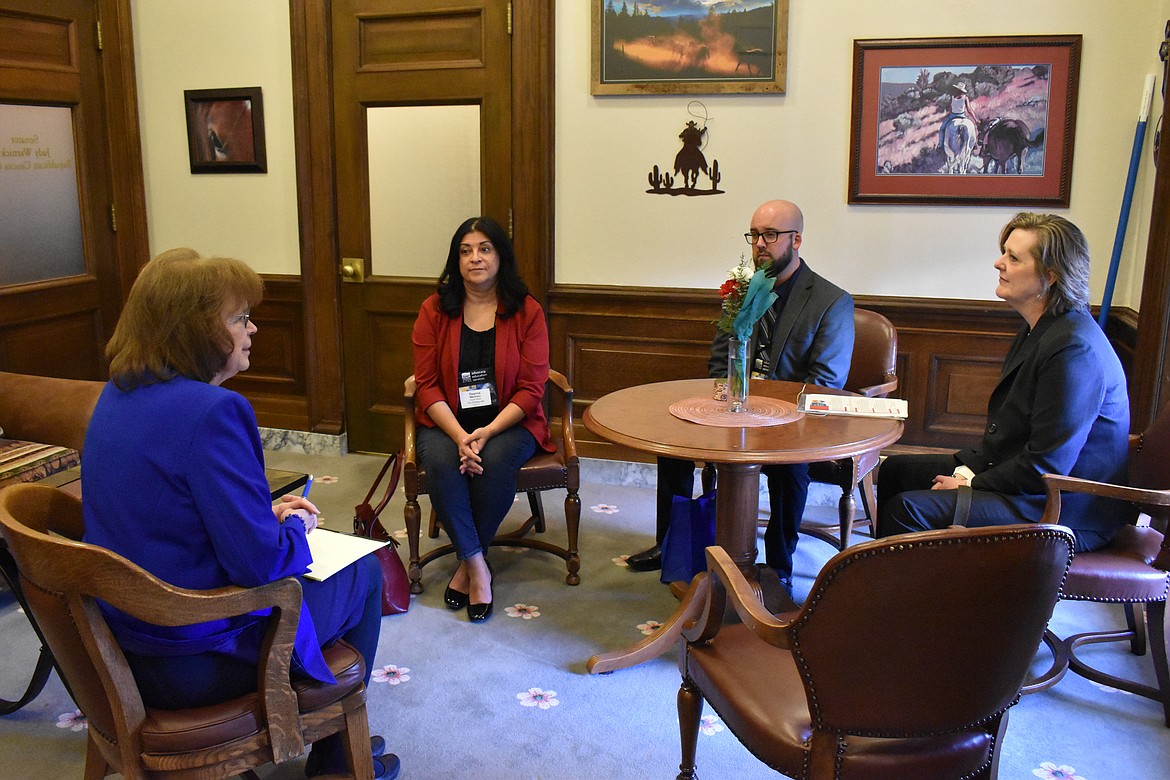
(412, 54)
(60, 292)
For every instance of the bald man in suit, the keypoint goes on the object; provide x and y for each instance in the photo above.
(807, 336)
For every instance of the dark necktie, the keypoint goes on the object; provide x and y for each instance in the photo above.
(762, 363)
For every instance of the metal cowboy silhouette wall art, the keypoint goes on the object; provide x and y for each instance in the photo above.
(688, 164)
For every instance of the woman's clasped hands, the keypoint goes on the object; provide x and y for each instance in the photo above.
(469, 448)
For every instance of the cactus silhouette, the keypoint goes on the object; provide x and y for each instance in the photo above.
(655, 178)
(667, 180)
(716, 176)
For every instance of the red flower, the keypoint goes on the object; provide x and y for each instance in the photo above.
(728, 288)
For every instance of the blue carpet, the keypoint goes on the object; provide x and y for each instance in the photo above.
(511, 698)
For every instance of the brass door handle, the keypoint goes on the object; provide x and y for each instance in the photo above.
(352, 270)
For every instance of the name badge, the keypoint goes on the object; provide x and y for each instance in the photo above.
(475, 389)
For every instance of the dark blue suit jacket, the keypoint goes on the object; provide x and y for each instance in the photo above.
(813, 338)
(1060, 407)
(173, 479)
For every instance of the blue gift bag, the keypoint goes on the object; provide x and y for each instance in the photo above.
(690, 532)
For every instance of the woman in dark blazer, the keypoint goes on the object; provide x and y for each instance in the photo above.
(480, 367)
(1060, 406)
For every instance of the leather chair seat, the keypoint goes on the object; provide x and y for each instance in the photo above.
(167, 732)
(771, 714)
(1121, 571)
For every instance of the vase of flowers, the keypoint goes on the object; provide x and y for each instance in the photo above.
(746, 295)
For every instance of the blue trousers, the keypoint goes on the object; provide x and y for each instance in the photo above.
(472, 508)
(787, 495)
(346, 606)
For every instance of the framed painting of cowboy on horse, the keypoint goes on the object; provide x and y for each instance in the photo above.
(682, 47)
(981, 121)
(225, 130)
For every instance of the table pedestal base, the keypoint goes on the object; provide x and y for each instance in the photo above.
(737, 507)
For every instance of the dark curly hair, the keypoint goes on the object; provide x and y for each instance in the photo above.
(510, 288)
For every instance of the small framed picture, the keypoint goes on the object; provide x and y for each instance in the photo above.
(977, 121)
(225, 130)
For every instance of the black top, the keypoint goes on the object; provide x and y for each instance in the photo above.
(477, 360)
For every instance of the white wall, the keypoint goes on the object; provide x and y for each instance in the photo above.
(608, 230)
(204, 45)
(796, 146)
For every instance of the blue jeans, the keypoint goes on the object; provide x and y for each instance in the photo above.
(472, 508)
(346, 606)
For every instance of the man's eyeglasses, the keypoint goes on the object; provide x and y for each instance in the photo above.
(769, 236)
(244, 318)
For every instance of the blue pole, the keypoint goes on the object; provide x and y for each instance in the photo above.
(1135, 157)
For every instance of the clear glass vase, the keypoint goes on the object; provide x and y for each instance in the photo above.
(737, 375)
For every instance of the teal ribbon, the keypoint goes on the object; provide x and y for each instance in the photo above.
(759, 298)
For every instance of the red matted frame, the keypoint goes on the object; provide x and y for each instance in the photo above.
(901, 125)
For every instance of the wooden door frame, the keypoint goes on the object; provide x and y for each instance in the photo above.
(533, 81)
(125, 144)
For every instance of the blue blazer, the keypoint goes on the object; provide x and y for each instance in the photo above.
(813, 337)
(1060, 407)
(173, 479)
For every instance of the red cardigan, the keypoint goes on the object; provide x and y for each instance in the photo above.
(521, 363)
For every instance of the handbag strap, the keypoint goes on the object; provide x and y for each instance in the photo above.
(962, 505)
(393, 464)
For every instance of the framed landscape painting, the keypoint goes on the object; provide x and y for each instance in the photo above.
(983, 121)
(687, 47)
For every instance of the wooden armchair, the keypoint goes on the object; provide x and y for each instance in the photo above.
(543, 471)
(909, 679)
(1132, 570)
(63, 578)
(872, 373)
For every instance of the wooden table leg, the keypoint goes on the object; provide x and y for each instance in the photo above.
(737, 509)
(737, 513)
(663, 639)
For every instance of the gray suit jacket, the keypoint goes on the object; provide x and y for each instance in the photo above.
(813, 339)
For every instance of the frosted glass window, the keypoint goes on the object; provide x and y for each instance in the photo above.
(424, 165)
(40, 223)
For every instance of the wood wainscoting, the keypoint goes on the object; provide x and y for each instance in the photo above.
(949, 352)
(606, 338)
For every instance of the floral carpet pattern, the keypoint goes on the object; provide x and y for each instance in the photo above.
(456, 699)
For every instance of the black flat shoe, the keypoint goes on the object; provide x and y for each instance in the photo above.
(454, 599)
(387, 767)
(478, 613)
(647, 560)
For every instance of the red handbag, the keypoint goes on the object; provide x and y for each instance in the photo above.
(395, 585)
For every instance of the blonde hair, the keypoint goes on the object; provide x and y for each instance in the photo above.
(1063, 252)
(172, 323)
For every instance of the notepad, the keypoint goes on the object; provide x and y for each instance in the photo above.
(852, 405)
(332, 552)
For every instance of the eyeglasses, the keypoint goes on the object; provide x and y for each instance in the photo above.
(769, 236)
(244, 318)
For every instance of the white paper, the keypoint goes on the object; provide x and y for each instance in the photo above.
(332, 551)
(852, 405)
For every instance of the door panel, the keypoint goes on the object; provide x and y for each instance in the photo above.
(55, 322)
(408, 53)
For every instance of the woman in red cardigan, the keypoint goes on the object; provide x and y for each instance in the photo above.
(480, 366)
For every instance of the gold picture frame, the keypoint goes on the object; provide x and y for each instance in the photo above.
(702, 52)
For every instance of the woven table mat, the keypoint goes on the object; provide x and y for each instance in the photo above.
(760, 413)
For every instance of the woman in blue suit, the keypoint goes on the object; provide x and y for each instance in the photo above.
(1060, 406)
(173, 480)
